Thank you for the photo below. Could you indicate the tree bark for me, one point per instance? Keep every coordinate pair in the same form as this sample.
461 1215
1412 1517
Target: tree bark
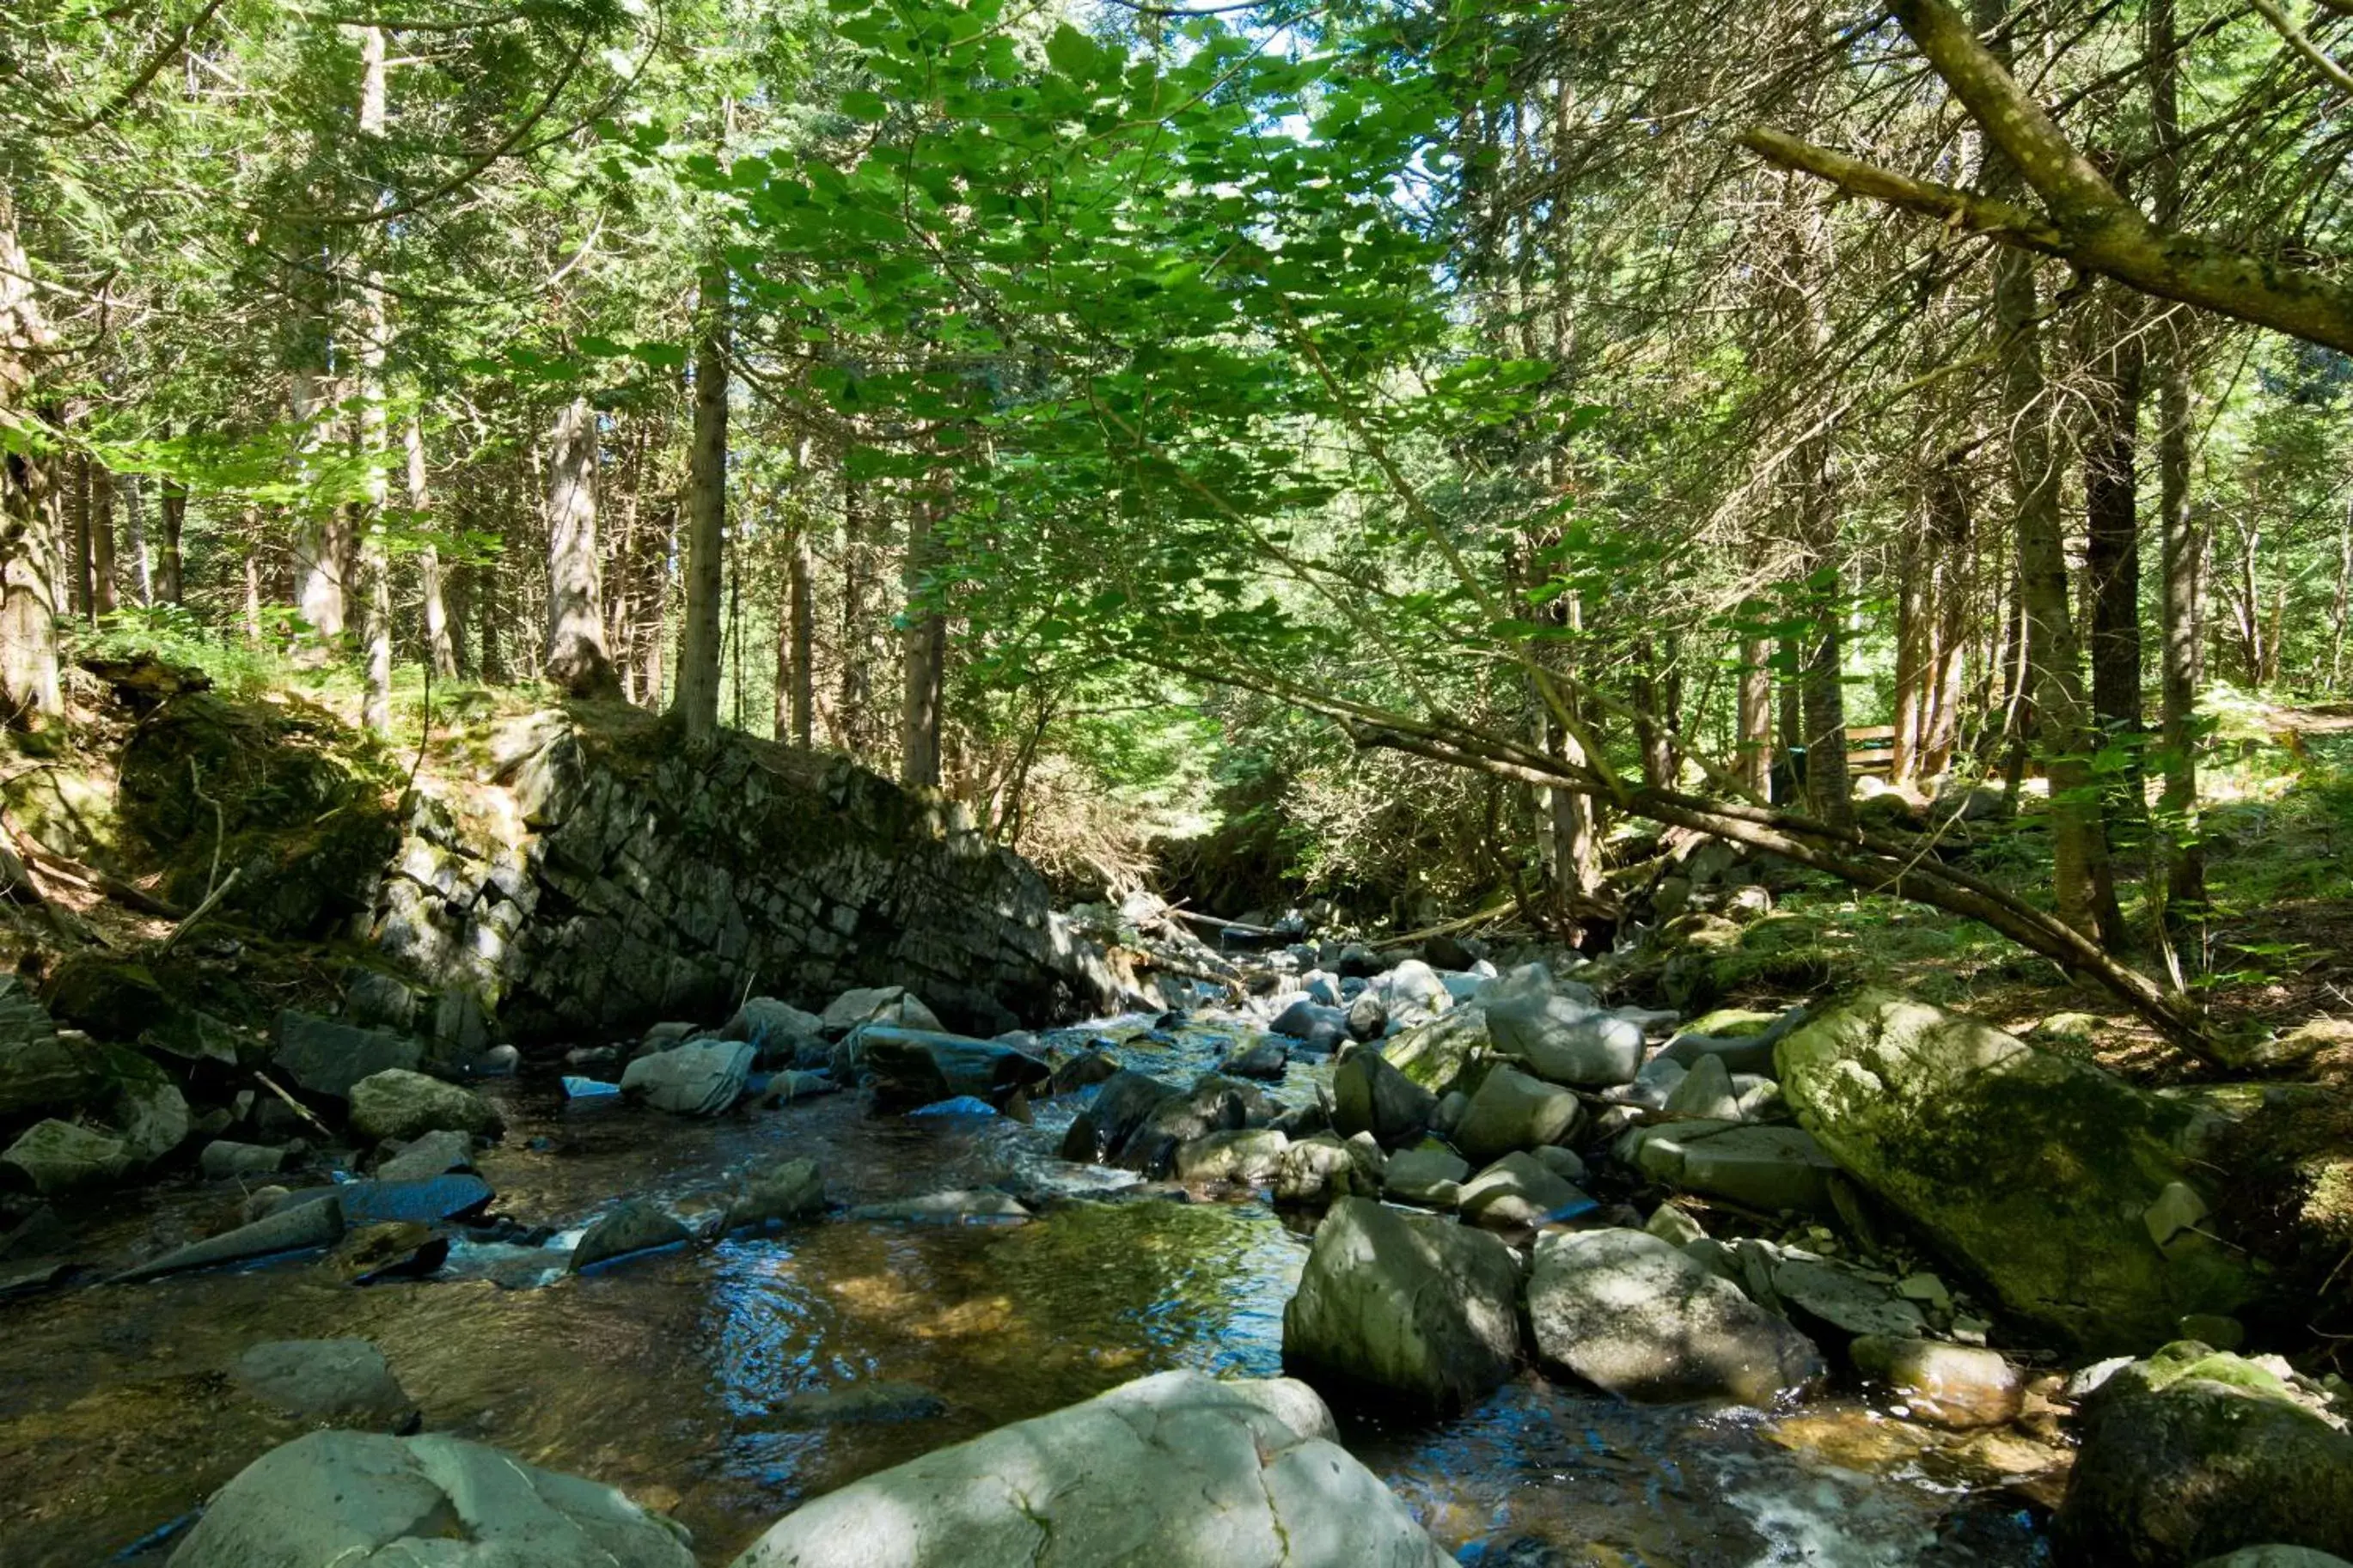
925 646
134 529
1948 519
75 474
2180 547
2112 552
576 660
170 584
441 646
697 701
28 506
1755 718
321 541
2086 892
856 676
798 680
107 599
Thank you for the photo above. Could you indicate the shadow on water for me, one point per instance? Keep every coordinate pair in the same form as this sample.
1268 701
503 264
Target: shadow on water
727 1383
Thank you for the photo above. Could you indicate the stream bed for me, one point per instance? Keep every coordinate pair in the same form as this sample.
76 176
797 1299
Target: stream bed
726 1384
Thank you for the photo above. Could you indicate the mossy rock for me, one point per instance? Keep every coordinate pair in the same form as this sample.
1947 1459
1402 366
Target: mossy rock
2032 1169
1732 1023
111 997
1440 1054
2195 1454
68 811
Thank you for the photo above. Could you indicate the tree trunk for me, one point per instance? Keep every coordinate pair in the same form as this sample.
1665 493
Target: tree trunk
576 660
170 585
441 646
28 508
319 544
2112 552
2086 893
77 476
925 646
799 678
1949 550
134 528
1652 729
107 599
2181 548
857 676
697 702
1756 709
1914 608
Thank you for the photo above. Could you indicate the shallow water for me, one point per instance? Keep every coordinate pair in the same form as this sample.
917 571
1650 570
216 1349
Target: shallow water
727 1383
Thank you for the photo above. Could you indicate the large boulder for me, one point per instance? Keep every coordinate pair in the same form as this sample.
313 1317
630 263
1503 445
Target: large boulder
918 1067
2084 1232
1765 1168
1439 1054
326 1058
408 1105
151 1116
2194 1453
1177 1471
702 1077
1561 1037
1411 1303
1368 1095
356 1496
55 1156
1123 1102
39 1070
894 1007
1629 1314
1514 1111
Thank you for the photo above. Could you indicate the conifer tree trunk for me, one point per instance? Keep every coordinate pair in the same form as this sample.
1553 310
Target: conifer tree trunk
2181 620
319 540
2111 504
169 586
76 499
134 529
29 509
105 596
925 645
440 644
795 677
576 658
857 678
697 699
2086 893
1755 717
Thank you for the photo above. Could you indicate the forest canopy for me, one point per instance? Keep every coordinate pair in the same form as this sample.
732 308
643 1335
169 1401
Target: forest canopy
1425 436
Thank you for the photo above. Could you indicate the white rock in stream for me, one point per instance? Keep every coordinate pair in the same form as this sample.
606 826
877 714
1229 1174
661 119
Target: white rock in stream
1178 1470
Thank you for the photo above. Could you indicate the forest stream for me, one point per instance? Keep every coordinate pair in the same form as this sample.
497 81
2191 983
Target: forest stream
727 1383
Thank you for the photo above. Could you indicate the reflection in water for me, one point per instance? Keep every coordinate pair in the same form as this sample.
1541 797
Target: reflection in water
729 1383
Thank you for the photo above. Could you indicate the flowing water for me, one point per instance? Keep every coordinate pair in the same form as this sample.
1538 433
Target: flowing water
726 1384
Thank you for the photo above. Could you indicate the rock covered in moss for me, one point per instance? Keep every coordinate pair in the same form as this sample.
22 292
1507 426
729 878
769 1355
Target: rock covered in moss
2195 1453
408 1105
1922 1108
55 1156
